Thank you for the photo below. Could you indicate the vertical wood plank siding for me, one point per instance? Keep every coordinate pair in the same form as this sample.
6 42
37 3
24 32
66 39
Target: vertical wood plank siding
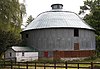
59 39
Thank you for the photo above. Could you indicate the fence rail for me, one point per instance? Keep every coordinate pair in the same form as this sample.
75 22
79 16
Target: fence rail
43 65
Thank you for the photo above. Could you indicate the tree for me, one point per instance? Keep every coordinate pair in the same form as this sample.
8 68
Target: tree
22 10
30 19
93 18
7 39
11 17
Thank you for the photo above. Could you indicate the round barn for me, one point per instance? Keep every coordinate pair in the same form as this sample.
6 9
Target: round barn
60 34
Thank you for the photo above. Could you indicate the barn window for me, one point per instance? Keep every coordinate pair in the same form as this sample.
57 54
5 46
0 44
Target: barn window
10 54
76 32
76 46
27 35
22 53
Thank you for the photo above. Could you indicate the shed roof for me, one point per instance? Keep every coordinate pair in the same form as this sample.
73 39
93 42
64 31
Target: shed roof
57 18
22 49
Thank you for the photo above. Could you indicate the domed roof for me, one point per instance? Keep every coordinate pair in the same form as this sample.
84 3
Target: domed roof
57 18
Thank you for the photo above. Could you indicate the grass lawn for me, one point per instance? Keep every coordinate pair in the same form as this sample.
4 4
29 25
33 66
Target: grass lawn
88 60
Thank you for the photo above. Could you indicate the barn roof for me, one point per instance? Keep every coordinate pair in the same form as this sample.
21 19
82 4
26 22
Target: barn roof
22 49
57 18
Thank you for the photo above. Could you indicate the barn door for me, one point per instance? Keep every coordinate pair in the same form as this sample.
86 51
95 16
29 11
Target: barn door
76 46
46 54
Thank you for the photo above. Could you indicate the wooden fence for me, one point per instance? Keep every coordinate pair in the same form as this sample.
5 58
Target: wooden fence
43 65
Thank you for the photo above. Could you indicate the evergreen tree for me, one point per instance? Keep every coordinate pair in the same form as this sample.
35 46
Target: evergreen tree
30 19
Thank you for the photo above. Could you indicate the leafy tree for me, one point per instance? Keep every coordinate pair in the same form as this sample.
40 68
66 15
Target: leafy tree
7 39
11 17
93 18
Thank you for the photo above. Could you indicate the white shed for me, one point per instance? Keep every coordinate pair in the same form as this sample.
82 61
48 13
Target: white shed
20 54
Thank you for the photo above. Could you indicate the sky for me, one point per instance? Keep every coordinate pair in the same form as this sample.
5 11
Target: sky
35 7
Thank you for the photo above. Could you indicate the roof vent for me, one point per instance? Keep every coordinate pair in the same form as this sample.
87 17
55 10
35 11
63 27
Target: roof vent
57 6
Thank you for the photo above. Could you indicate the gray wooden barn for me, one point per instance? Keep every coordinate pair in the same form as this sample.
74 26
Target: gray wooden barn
60 34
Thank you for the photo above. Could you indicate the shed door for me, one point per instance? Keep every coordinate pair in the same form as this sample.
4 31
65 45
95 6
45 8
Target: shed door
46 54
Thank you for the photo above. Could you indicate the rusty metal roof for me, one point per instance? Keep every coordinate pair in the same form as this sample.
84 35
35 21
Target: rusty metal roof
57 18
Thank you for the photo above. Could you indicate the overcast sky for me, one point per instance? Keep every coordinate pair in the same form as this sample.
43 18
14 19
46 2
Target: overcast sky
35 7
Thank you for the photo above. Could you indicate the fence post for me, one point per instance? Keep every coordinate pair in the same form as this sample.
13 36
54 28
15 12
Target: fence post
78 65
4 63
19 65
91 65
44 66
27 65
35 65
54 65
11 64
66 64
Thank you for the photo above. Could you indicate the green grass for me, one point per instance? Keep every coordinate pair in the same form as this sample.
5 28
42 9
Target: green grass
88 60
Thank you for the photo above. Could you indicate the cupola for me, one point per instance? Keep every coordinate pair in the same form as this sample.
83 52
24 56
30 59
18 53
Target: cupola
57 6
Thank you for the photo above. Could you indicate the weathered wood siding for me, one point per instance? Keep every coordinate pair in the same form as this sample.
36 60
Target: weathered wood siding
9 54
28 56
68 54
59 39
